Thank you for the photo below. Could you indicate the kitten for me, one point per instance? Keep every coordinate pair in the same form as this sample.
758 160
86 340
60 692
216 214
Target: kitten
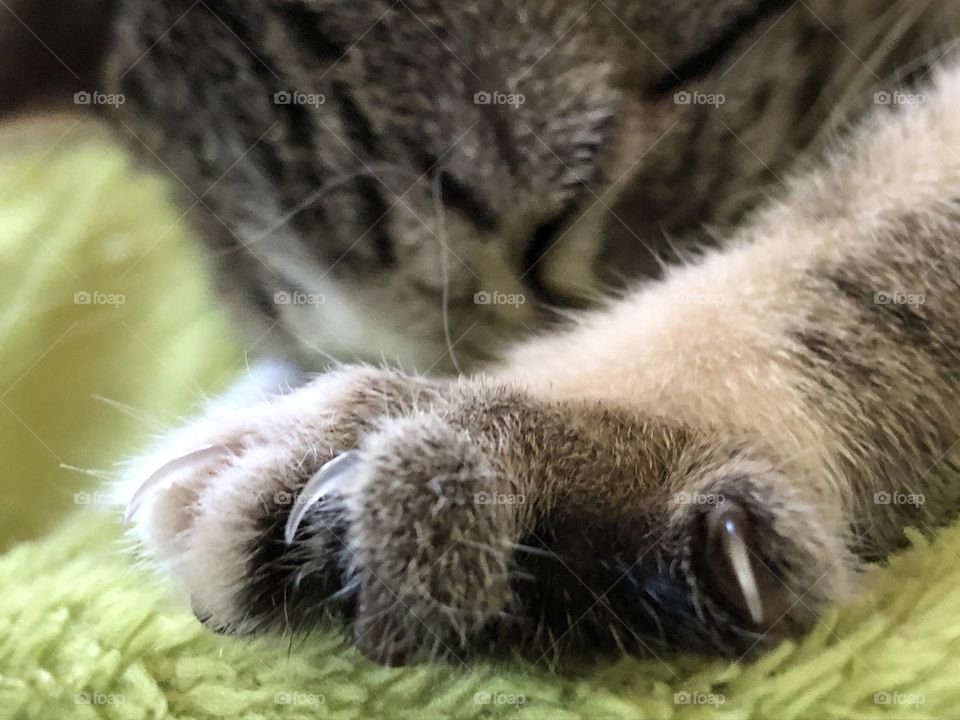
656 439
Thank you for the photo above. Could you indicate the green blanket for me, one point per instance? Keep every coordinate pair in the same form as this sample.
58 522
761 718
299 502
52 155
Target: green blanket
107 336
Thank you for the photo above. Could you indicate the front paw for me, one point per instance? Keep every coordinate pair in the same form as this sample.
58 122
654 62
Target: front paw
353 496
669 539
444 517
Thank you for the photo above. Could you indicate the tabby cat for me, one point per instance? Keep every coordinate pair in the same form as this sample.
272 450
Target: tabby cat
637 324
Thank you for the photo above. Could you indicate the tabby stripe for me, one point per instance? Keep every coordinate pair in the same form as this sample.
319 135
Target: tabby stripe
305 25
357 124
454 194
292 161
374 214
373 207
699 64
467 202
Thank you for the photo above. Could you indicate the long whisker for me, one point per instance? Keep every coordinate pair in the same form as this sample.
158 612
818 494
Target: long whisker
443 239
853 85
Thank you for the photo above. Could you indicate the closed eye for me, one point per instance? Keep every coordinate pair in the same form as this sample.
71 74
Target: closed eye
467 202
541 242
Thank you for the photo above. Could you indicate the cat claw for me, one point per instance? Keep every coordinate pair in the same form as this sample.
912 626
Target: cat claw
167 470
727 523
317 488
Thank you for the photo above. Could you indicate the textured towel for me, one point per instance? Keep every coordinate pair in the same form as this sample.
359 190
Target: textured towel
107 335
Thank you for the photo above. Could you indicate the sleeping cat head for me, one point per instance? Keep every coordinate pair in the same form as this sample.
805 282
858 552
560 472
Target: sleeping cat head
384 179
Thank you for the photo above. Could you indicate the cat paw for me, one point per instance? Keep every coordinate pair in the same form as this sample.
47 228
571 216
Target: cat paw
444 517
352 496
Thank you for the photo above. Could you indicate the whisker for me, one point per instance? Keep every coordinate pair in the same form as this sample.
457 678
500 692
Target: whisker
443 238
133 412
522 576
539 552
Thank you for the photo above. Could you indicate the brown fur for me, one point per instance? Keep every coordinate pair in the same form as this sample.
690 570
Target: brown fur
795 376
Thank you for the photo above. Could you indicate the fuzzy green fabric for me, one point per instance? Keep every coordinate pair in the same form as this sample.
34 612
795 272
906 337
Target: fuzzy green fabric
84 382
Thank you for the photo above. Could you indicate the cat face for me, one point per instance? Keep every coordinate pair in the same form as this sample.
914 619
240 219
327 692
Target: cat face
396 180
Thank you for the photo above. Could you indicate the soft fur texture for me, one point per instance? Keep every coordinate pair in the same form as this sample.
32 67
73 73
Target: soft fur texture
791 381
77 623
788 380
384 186
788 374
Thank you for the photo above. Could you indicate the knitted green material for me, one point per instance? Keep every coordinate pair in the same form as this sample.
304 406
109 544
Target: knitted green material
86 379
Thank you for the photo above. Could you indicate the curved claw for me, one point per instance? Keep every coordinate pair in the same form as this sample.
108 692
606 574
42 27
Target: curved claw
204 454
728 523
317 487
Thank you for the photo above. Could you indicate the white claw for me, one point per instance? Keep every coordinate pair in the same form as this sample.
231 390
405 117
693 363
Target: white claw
317 488
724 520
167 470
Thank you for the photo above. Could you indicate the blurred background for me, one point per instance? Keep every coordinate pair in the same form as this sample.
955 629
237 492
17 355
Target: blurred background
106 331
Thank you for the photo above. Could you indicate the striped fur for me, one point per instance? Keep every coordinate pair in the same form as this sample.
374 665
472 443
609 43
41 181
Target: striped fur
801 366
